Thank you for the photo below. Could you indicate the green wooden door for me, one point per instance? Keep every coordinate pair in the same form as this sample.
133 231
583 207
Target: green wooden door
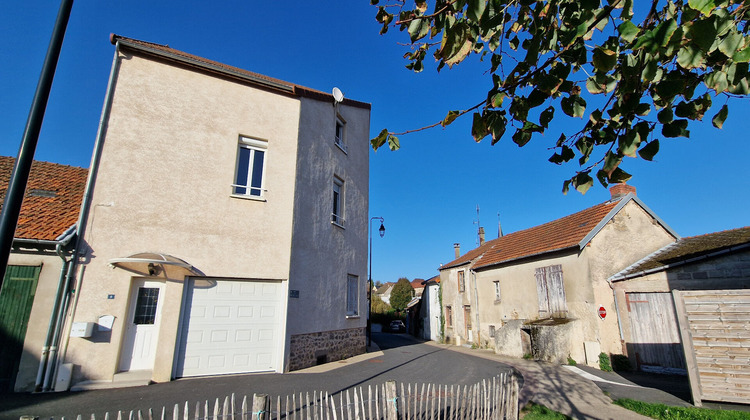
16 298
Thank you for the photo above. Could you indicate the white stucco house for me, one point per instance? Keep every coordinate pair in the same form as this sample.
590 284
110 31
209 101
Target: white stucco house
225 226
429 310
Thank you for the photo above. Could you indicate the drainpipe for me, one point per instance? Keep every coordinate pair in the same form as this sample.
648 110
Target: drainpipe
80 248
476 305
56 308
51 368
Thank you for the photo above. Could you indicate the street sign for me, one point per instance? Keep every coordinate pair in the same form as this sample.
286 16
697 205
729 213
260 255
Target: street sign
602 312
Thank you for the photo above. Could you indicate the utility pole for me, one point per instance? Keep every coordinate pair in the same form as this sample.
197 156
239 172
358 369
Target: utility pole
22 167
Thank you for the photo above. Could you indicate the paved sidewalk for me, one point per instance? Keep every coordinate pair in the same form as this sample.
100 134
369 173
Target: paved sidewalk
557 388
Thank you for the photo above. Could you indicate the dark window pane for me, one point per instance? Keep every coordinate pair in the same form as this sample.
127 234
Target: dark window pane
243 166
145 306
257 179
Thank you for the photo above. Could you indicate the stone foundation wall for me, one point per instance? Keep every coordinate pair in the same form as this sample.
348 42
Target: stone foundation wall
307 350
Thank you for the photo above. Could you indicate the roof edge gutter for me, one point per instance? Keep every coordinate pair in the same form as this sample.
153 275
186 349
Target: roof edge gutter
680 263
196 63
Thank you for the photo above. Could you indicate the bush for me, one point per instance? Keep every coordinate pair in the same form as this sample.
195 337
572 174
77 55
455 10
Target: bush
604 362
571 361
620 363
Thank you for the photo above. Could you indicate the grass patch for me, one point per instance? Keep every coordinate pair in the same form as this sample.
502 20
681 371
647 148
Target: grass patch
661 411
604 363
534 411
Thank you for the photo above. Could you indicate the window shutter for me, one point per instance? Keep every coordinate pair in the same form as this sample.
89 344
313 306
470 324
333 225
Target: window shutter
557 303
541 292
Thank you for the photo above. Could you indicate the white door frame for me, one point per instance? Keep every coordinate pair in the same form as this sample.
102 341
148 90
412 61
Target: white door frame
133 355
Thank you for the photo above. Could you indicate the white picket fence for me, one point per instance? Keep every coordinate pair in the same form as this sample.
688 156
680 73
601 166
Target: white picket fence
486 400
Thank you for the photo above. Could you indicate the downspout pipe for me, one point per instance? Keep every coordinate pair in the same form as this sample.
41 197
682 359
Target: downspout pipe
51 368
61 243
81 249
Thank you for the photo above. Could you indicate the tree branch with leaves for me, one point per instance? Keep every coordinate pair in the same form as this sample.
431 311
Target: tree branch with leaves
657 74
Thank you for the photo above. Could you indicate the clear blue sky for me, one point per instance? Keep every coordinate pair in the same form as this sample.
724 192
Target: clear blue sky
429 190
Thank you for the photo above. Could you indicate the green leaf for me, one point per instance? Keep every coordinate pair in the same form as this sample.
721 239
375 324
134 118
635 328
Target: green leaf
703 33
742 56
677 128
628 31
643 109
619 176
418 29
566 187
561 140
663 33
720 117
521 137
629 142
573 106
690 57
604 59
665 115
582 182
452 115
731 43
717 81
393 143
457 44
497 100
479 128
703 6
475 9
546 116
379 140
650 150
601 83
611 161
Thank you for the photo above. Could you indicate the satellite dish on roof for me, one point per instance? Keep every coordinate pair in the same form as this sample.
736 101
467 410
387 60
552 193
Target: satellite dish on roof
338 96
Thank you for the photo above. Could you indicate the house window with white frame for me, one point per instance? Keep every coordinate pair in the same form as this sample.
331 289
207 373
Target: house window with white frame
340 134
496 283
250 168
352 295
337 215
461 281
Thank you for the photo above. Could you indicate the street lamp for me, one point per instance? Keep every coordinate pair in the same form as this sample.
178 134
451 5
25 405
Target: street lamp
369 292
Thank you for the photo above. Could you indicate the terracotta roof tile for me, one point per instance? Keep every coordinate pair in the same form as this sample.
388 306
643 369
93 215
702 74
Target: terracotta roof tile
687 248
52 199
557 235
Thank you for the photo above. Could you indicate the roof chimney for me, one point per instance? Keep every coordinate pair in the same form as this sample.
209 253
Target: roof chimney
457 248
481 236
621 190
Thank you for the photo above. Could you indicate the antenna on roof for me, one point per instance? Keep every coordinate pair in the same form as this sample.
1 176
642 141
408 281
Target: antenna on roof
479 227
338 96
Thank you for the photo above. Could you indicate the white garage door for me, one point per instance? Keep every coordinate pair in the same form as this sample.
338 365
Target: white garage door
230 326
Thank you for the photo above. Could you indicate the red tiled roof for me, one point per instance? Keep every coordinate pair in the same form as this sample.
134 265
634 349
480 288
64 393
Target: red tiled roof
688 248
52 199
166 50
557 235
417 283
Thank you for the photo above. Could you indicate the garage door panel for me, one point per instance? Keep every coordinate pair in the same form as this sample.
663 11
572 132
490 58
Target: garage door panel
232 327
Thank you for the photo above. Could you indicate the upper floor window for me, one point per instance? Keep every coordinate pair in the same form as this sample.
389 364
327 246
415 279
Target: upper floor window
461 281
497 290
337 215
340 135
251 156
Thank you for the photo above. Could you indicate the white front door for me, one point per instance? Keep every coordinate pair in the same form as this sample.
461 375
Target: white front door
142 326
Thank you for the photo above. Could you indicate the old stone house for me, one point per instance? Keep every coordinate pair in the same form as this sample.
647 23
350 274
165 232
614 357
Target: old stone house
539 291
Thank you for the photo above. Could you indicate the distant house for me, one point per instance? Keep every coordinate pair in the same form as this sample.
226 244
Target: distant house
429 310
542 288
226 230
384 292
418 286
690 302
37 274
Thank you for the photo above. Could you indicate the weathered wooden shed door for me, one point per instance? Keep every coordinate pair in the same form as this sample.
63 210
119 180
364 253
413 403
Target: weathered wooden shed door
714 325
655 337
16 298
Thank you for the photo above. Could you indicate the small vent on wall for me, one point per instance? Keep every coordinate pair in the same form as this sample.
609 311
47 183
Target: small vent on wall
492 331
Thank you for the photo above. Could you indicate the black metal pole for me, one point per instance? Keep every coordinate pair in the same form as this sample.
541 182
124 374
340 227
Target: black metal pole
20 176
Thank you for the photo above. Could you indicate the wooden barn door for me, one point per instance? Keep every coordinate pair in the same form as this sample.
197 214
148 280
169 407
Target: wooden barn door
655 337
16 298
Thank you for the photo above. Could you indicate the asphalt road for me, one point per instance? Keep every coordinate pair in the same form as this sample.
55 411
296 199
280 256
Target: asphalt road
404 359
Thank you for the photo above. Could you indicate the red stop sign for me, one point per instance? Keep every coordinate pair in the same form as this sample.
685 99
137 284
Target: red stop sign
602 312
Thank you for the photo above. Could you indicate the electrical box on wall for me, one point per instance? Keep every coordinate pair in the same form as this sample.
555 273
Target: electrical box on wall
82 329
